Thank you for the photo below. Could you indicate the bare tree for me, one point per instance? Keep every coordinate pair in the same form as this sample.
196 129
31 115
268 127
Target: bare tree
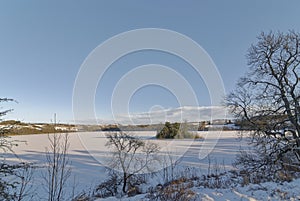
58 166
5 169
266 100
24 174
5 143
170 163
131 155
15 178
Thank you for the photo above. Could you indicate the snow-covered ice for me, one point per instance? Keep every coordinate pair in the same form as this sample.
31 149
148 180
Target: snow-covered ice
88 155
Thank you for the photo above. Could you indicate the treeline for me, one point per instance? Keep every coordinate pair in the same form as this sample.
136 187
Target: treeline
13 127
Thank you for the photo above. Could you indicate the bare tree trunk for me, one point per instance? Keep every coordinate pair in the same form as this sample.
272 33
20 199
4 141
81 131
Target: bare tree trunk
58 170
124 182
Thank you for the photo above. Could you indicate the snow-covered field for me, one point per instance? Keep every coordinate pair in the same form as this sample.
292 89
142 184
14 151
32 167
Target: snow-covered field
89 156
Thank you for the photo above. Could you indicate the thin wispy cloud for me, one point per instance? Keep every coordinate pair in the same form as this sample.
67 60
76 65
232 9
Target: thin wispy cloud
180 114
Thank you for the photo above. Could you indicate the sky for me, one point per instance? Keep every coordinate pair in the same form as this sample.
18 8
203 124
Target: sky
43 45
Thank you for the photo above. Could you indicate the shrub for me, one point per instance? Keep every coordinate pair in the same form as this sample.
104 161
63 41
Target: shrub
109 187
176 190
176 131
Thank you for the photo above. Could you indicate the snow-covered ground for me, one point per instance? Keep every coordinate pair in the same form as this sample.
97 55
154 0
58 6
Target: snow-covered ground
89 156
266 191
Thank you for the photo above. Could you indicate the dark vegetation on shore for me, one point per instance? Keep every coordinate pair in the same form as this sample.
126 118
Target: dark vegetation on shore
24 128
20 128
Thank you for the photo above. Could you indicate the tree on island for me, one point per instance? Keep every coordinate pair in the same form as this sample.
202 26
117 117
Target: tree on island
169 131
175 131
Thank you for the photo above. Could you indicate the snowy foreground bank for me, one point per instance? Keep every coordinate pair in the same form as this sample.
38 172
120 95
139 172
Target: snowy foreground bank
89 158
253 192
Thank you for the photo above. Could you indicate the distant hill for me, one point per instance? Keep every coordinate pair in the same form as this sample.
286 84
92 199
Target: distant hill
21 128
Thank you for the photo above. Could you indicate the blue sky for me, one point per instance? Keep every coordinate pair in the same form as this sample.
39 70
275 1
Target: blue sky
44 43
